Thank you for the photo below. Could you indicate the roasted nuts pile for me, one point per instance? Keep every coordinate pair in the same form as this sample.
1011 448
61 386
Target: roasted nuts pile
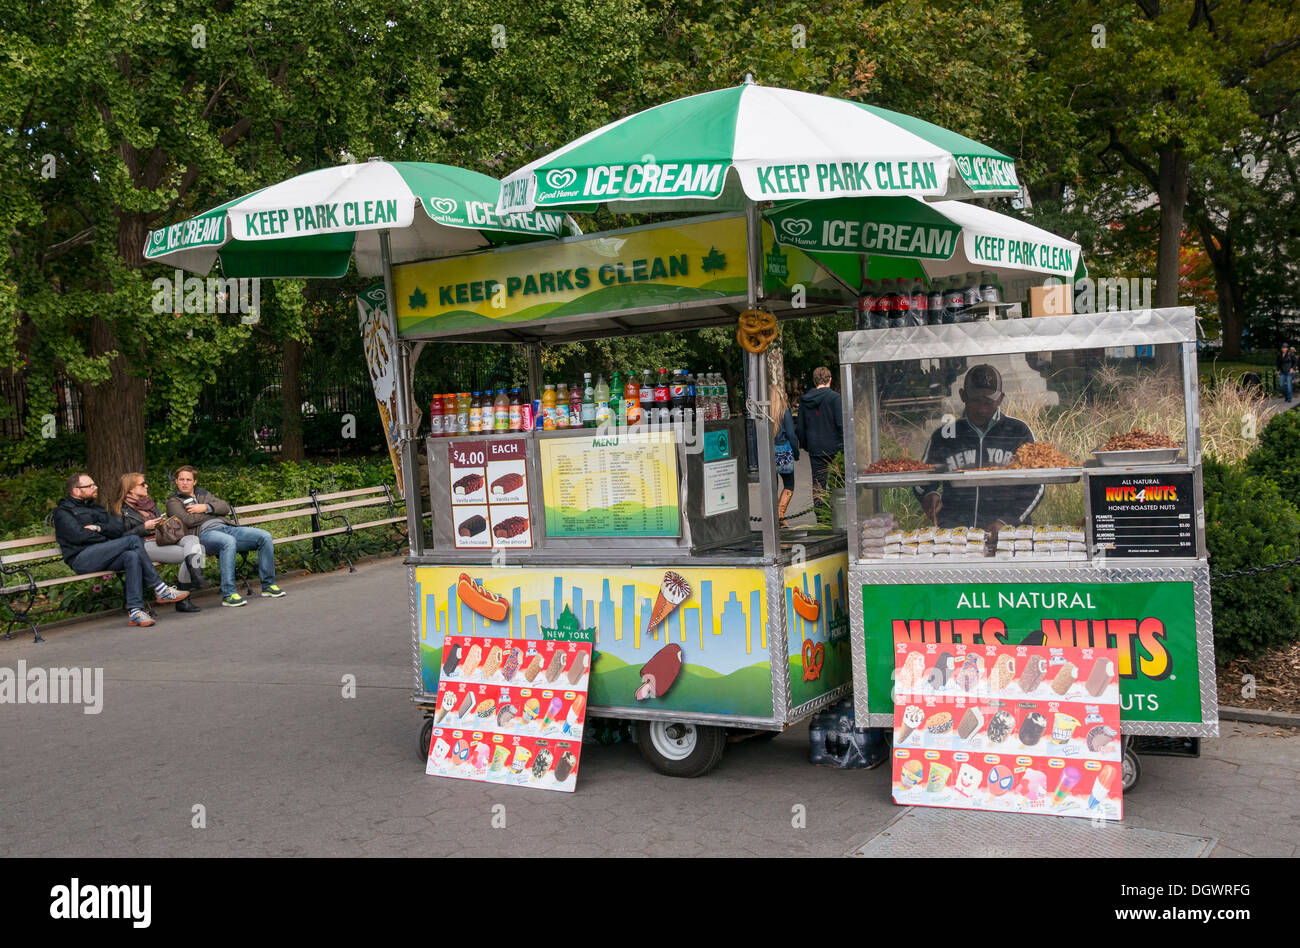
1038 454
895 466
1138 440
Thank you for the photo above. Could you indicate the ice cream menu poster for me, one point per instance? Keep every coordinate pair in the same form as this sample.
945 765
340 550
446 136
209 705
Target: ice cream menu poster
489 494
512 711
1007 728
614 486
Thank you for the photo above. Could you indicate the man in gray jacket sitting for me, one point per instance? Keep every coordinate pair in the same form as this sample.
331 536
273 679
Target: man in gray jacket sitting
205 514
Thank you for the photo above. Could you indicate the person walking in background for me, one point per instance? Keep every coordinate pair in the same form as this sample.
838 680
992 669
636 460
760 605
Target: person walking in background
1286 366
785 442
820 428
201 511
140 517
91 541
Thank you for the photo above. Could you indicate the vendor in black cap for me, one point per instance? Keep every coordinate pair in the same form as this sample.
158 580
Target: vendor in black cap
982 437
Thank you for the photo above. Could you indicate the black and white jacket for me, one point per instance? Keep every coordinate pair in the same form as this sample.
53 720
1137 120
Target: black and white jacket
961 446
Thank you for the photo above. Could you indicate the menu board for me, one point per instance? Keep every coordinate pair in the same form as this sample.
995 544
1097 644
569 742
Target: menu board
1007 728
1147 515
512 711
614 486
489 494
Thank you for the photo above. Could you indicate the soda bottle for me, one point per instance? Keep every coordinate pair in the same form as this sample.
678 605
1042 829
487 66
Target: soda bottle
954 302
989 291
501 412
475 412
587 407
881 308
866 304
724 403
561 406
516 411
575 405
616 416
527 419
435 417
917 304
688 408
462 413
548 408
973 295
632 400
647 397
934 304
896 314
663 398
601 395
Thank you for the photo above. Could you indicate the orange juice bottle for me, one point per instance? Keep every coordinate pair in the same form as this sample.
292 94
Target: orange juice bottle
548 408
632 398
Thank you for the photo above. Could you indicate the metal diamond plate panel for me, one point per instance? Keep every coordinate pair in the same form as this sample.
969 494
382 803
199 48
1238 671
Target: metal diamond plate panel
964 834
776 642
1198 576
1006 336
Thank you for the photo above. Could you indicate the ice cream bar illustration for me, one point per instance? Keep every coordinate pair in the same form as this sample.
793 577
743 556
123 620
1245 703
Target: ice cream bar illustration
1002 672
968 779
472 660
672 593
938 777
552 712
440 749
541 764
532 707
806 606
507 483
579 668
460 752
522 756
1033 786
574 717
911 775
940 723
971 722
1033 674
913 717
555 667
472 526
510 527
1100 676
1031 728
485 708
1000 779
910 673
565 766
452 660
534 666
488 605
1000 726
1068 779
492 663
1064 678
480 756
1063 726
658 674
1101 787
941 673
467 705
467 484
512 664
499 756
1099 736
971 673
505 714
448 702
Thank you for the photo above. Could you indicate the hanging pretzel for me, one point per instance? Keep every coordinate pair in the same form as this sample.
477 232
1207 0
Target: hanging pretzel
757 330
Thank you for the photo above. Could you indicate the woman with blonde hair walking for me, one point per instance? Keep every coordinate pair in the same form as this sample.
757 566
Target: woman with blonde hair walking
140 517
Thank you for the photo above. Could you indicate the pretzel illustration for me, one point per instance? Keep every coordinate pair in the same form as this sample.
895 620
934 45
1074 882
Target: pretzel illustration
757 330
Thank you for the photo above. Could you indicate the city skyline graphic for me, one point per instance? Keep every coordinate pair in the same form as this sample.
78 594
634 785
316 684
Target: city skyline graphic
834 606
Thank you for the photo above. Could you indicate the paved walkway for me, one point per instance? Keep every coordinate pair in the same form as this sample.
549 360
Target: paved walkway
242 712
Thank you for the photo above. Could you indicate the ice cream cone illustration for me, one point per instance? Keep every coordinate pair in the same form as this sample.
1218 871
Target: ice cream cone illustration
672 593
913 717
448 702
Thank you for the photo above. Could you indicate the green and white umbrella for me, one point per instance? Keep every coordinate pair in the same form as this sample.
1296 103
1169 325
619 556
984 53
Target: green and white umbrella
311 225
768 143
943 237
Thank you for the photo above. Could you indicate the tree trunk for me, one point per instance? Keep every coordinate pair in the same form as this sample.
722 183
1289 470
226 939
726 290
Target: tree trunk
1219 248
1173 204
114 416
291 445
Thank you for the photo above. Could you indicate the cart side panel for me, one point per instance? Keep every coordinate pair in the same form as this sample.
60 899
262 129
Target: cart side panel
720 661
1158 618
819 665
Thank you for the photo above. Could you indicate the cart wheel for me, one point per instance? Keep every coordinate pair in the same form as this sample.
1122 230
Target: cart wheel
1132 769
426 738
680 750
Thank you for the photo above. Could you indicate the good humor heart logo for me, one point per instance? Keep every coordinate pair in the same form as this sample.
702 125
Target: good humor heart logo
963 165
796 226
444 205
561 177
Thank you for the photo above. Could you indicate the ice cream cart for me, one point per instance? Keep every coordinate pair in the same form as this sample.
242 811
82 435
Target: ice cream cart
1067 511
643 533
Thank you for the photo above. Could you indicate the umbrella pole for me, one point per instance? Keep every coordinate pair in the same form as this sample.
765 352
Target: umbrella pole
406 443
757 403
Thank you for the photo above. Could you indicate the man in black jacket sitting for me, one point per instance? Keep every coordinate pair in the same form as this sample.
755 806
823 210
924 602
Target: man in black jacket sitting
982 437
91 541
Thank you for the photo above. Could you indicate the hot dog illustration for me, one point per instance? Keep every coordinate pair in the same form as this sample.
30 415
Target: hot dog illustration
487 604
807 607
672 592
658 674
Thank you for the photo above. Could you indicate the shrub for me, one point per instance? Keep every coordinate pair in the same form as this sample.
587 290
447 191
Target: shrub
1249 523
1278 455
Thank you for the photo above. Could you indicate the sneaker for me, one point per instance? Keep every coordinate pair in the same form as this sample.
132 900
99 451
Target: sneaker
234 599
170 594
272 591
140 617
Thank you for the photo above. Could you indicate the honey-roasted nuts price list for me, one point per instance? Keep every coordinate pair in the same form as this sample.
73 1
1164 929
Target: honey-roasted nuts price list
1147 515
489 494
